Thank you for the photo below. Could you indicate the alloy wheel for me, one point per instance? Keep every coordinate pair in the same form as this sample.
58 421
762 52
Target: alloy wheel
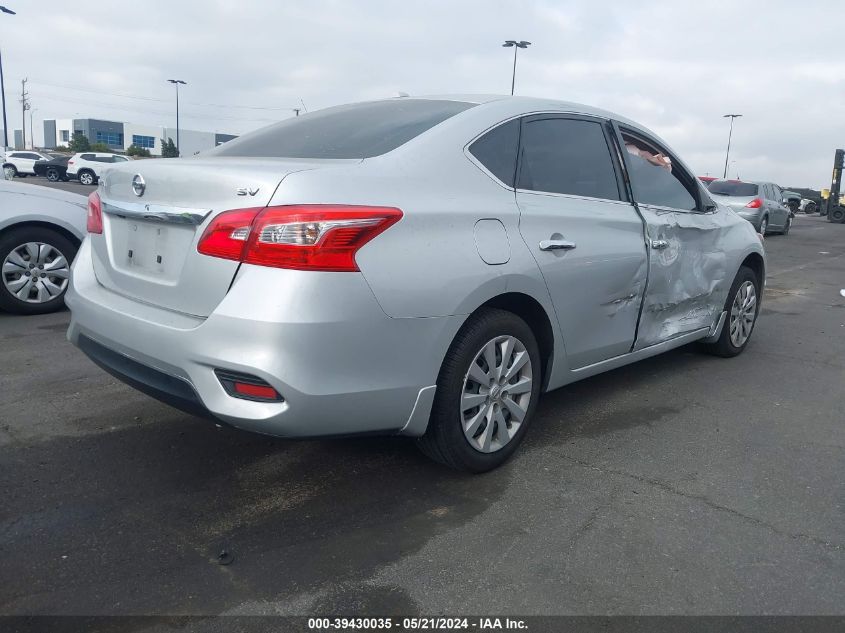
496 394
35 272
9 172
743 313
85 178
764 225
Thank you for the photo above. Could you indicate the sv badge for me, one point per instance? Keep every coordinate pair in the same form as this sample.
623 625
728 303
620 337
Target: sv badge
247 191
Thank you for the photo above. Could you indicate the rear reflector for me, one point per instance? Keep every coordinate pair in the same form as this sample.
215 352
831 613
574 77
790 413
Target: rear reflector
755 204
303 237
247 386
95 213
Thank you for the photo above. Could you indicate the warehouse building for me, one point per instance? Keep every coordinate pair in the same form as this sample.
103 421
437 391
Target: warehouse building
119 135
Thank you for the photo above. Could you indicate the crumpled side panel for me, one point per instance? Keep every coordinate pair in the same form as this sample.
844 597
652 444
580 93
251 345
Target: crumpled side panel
688 280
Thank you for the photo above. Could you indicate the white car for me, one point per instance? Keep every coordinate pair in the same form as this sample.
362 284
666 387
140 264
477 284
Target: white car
40 231
21 163
87 167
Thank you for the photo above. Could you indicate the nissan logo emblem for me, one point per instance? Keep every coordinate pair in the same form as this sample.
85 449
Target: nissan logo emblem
138 185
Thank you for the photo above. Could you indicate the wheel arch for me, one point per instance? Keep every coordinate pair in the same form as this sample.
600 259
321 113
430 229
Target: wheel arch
757 264
532 312
42 225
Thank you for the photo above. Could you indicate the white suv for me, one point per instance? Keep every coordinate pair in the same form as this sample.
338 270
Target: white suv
21 163
87 167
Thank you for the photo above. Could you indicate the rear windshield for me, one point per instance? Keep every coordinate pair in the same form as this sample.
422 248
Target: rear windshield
732 188
360 130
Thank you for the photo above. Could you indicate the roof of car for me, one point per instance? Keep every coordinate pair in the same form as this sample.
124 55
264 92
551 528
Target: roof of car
8 186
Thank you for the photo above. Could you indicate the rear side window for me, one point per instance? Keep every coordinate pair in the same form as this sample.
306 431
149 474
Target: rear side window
568 156
86 156
733 188
497 150
360 130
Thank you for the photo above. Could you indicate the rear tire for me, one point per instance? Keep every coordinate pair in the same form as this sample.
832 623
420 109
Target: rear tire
52 174
52 277
87 177
764 225
484 435
729 344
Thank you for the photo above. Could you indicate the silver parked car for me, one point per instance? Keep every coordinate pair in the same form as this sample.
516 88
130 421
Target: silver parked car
40 232
761 203
417 266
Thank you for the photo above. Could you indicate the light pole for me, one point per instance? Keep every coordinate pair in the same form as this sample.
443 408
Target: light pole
3 87
516 45
730 133
176 83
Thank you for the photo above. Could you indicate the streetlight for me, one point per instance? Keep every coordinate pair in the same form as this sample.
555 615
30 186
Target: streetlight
176 83
516 45
728 153
3 88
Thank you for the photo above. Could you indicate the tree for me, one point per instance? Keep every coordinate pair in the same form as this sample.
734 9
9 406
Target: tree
62 148
99 147
168 149
134 150
79 143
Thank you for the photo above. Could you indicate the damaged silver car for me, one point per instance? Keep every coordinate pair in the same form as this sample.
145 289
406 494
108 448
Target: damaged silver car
417 266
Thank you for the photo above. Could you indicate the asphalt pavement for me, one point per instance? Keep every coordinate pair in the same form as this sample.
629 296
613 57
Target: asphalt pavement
683 484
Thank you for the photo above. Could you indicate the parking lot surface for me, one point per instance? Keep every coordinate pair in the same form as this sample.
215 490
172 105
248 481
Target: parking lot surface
683 484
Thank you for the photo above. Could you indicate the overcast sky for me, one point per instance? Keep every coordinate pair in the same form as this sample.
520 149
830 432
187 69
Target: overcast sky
675 67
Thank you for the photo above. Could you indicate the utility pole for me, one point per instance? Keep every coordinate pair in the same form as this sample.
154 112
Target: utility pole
3 87
31 127
24 108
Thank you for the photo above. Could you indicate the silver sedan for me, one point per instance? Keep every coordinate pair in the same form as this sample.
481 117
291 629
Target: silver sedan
416 266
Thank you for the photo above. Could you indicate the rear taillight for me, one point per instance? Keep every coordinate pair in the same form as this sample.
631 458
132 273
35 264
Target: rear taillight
755 204
70 162
95 213
226 235
303 237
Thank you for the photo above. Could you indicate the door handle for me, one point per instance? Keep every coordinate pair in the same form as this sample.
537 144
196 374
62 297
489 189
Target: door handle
659 244
556 245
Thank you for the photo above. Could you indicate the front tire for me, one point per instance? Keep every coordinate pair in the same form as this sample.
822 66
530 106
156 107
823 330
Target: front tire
34 270
742 306
787 226
487 391
9 171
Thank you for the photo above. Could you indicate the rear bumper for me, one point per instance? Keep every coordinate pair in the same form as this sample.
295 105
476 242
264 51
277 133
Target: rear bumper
321 340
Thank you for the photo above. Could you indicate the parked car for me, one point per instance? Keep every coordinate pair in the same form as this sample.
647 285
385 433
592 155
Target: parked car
54 169
20 163
87 167
40 232
761 203
808 206
792 200
415 266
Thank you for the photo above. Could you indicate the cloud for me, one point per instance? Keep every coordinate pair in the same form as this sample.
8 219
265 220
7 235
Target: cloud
675 67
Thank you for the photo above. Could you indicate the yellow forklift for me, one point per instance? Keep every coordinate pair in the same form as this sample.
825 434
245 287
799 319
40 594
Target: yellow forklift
833 205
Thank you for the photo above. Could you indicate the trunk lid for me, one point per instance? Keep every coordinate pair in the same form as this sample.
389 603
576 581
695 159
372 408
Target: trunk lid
148 249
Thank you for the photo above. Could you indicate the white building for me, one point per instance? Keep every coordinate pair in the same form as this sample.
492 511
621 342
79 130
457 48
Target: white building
119 135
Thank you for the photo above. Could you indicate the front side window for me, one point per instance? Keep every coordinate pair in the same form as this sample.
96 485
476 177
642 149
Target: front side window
568 156
497 150
360 130
654 179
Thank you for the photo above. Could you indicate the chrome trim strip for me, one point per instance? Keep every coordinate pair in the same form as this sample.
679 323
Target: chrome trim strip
156 212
